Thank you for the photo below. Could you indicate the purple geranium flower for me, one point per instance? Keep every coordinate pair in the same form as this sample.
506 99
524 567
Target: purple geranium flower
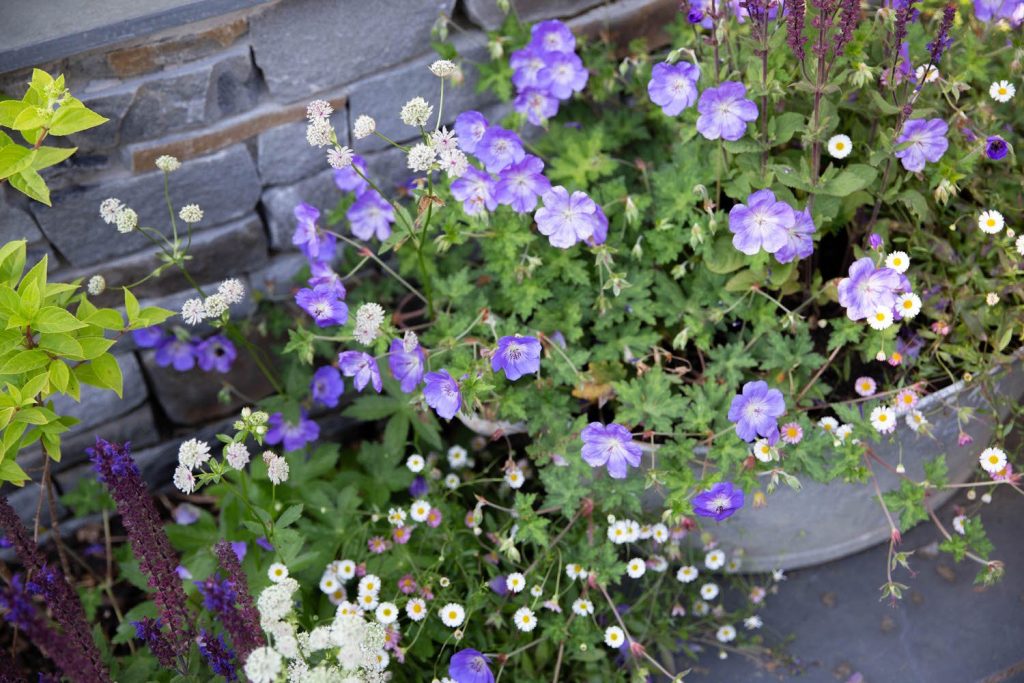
470 126
725 111
308 238
610 446
995 148
419 486
371 216
470 666
517 356
989 10
799 243
499 148
294 435
529 69
538 105
406 365
565 219
324 305
149 337
756 411
868 289
362 368
718 502
327 386
922 140
567 74
520 184
552 36
475 189
600 228
348 180
673 87
761 224
176 352
216 353
442 394
321 273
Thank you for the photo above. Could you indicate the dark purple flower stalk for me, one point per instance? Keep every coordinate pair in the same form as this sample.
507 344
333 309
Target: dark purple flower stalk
904 16
116 469
243 624
8 672
849 17
217 654
796 11
59 596
150 631
942 39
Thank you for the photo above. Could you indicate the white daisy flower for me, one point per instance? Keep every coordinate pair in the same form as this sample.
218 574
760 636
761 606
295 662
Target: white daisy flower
396 517
451 482
763 450
277 572
636 568
991 222
993 460
576 571
898 261
1019 244
536 591
909 305
369 584
452 615
386 613
614 637
865 386
714 560
515 582
416 609
839 146
514 477
726 633
880 319
368 601
582 607
346 570
883 419
701 608
415 463
709 591
916 419
457 457
828 424
687 574
753 622
659 533
419 510
524 619
843 431
933 73
1002 91
958 524
329 583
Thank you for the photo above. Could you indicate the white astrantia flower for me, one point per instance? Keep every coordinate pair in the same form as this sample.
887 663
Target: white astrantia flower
709 591
319 133
636 568
933 73
991 298
96 285
410 342
386 613
167 163
515 582
444 140
726 633
416 112
184 480
277 470
415 463
396 517
369 319
524 619
109 208
363 127
687 574
231 290
714 560
442 68
193 453
416 609
883 419
452 615
614 637
263 665
992 460
839 146
126 220
991 222
880 319
236 454
421 157
1002 91
339 157
763 450
318 110
958 524
916 420
193 312
514 477
898 261
277 572
454 163
909 305
582 607
191 213
215 306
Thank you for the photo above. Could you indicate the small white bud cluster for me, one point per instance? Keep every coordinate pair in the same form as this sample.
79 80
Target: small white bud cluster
416 112
194 311
167 163
191 213
277 467
96 285
442 68
363 127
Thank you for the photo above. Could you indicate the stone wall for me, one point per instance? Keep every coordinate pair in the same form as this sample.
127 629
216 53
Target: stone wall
227 96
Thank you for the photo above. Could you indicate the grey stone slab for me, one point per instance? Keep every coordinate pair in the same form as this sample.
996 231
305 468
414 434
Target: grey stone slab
224 184
234 85
284 157
25 501
17 224
382 95
486 13
98 405
276 280
305 46
279 204
114 105
218 253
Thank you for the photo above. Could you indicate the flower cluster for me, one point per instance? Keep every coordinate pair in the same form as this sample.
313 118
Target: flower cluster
547 71
215 353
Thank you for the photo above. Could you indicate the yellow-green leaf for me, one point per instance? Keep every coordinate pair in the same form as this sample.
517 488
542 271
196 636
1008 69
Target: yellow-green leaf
74 118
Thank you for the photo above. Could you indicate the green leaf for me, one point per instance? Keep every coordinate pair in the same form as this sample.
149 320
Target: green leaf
883 106
102 372
107 318
372 408
153 315
786 126
721 257
55 319
12 472
51 156
25 361
289 517
853 178
9 111
62 345
59 374
131 306
14 159
74 118
30 183
30 118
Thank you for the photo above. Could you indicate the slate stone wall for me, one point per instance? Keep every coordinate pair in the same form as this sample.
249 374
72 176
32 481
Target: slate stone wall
227 96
